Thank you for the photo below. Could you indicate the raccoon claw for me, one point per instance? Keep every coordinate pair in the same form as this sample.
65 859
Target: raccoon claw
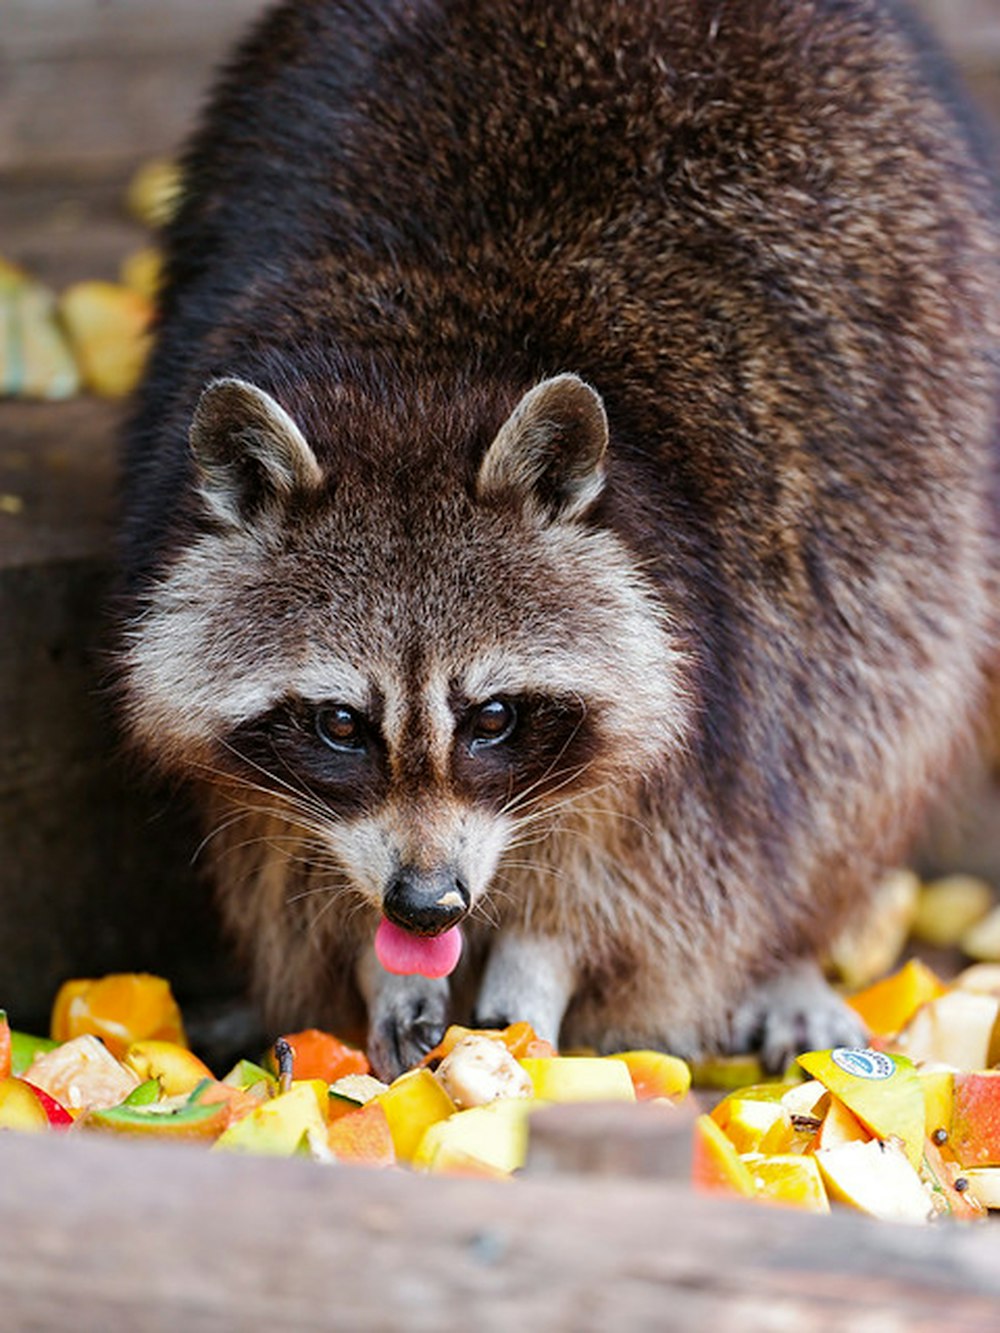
791 1013
399 1038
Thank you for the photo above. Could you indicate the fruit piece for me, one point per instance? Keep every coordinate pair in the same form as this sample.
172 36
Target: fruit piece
35 358
56 1114
790 1179
363 1136
655 1074
5 1046
496 1134
948 907
889 1004
939 1095
982 940
480 1069
245 1074
519 1038
154 192
875 1178
177 1069
352 1091
746 1120
163 1119
82 1075
984 1185
806 1099
279 1126
20 1108
871 945
883 1091
980 978
974 1134
412 1103
142 272
238 1102
23 1049
121 1008
940 1173
317 1054
716 1167
145 1094
840 1126
404 954
579 1079
728 1073
108 329
958 1029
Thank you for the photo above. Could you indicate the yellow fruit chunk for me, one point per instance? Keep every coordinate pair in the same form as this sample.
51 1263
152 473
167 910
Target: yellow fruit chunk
982 941
655 1074
746 1121
82 1075
580 1079
108 328
870 946
20 1109
948 907
883 1091
888 1005
142 272
35 358
495 1134
279 1126
791 1179
154 192
176 1069
411 1104
875 1178
121 1008
939 1097
980 979
716 1167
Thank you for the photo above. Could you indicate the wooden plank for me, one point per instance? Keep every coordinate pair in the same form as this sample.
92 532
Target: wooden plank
117 1236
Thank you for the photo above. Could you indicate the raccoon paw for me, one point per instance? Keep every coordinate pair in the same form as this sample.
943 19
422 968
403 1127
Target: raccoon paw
793 1012
407 1020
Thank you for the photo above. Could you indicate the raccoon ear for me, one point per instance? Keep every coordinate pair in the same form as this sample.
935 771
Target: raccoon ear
248 451
550 450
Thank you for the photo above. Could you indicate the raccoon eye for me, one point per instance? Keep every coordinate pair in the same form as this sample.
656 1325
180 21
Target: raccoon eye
494 722
341 728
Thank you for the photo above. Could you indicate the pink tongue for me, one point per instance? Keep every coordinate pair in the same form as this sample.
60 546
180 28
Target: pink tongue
432 956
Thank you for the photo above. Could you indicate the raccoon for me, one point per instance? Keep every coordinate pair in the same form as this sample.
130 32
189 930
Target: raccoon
560 515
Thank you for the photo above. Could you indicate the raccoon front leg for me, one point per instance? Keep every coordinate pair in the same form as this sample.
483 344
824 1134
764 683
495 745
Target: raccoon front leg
794 1011
407 1016
527 978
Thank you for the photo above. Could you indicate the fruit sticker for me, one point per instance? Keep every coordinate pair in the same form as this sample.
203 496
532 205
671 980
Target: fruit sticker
863 1063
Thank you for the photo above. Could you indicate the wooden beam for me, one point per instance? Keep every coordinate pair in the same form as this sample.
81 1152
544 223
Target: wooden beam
108 1235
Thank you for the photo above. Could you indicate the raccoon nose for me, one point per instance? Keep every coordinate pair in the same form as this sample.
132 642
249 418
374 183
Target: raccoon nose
425 902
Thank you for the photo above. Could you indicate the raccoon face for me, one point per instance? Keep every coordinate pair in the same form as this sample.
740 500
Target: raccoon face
419 674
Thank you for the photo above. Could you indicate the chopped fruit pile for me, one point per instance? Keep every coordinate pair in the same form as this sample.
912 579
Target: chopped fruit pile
118 1063
907 1129
94 337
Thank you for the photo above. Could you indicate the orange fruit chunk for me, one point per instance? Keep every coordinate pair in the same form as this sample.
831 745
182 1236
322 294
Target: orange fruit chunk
121 1008
363 1136
793 1179
716 1167
888 1005
321 1055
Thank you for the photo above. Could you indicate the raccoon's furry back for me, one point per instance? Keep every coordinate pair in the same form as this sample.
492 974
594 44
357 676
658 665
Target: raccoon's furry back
764 234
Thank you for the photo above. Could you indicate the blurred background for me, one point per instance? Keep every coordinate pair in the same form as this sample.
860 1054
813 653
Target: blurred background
95 865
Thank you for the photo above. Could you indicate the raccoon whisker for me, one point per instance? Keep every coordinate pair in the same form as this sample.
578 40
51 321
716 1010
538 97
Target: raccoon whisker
295 799
309 800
